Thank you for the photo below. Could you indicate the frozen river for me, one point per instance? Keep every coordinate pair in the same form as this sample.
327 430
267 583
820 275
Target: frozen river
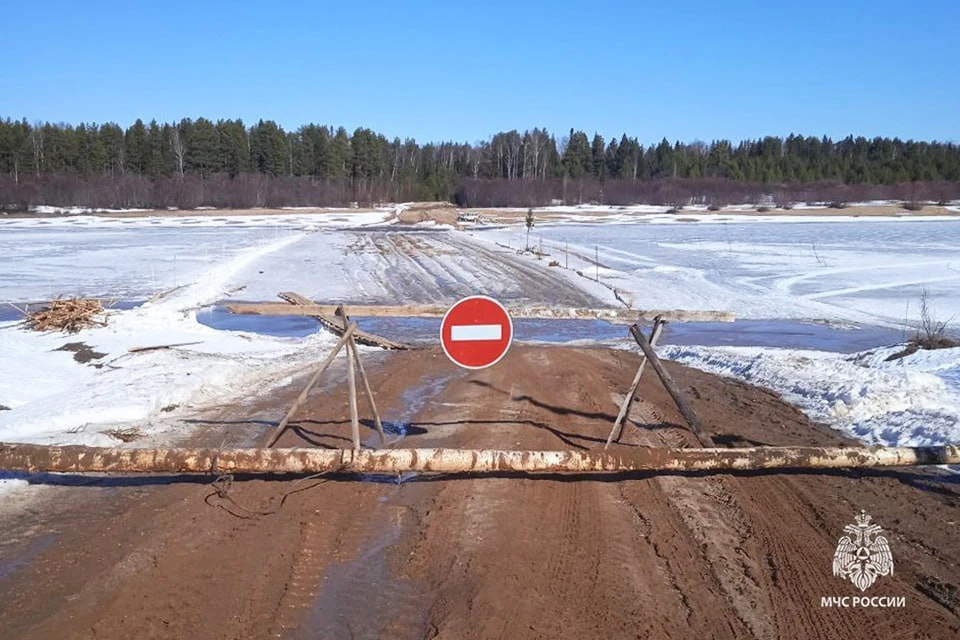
864 270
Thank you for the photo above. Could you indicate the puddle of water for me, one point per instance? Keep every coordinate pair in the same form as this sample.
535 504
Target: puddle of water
412 400
362 599
791 334
9 566
277 326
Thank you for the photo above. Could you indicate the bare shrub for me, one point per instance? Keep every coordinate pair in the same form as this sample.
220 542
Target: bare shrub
932 333
912 206
763 209
713 207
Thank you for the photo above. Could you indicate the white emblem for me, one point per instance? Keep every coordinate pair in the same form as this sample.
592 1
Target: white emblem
861 559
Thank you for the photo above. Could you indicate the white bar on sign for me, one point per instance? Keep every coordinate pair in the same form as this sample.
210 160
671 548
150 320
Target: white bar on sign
462 332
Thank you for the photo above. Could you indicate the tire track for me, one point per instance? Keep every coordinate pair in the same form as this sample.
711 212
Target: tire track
713 517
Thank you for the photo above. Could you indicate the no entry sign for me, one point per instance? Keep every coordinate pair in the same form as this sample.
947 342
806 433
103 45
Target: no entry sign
476 332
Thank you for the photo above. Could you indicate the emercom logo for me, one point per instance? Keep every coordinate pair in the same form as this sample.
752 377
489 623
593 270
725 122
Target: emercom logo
863 557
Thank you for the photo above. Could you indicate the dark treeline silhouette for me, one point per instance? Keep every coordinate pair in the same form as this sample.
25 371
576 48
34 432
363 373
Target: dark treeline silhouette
228 164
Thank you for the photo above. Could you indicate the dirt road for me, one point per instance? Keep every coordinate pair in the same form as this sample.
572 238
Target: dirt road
710 556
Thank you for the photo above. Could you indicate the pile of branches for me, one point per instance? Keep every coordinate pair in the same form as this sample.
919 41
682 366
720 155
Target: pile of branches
68 314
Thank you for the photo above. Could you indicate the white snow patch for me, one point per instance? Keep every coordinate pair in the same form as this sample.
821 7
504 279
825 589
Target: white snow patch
912 401
73 211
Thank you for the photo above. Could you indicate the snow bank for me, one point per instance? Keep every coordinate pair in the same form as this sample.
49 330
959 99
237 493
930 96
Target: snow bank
912 401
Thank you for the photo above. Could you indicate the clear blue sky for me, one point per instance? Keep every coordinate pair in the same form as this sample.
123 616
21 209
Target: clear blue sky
694 70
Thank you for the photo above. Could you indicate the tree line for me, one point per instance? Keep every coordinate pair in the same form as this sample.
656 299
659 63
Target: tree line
227 163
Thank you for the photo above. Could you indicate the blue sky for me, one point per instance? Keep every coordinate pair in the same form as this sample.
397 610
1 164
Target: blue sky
694 70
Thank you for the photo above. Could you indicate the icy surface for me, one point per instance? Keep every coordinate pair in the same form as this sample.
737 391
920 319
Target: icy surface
869 270
134 258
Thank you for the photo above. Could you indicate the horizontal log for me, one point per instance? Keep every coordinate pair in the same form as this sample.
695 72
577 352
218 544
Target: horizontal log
335 327
79 459
624 316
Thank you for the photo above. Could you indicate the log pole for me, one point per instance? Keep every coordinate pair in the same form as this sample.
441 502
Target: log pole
671 387
615 315
78 459
617 429
306 390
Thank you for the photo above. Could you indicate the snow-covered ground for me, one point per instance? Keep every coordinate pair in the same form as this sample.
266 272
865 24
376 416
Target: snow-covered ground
911 401
866 271
55 399
134 258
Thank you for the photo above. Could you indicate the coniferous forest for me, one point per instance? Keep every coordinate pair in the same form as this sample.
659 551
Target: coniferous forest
231 165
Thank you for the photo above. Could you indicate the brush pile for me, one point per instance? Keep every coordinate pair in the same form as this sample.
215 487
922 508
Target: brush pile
68 314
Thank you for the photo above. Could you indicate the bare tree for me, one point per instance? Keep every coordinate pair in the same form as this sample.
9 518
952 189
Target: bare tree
36 139
178 148
529 222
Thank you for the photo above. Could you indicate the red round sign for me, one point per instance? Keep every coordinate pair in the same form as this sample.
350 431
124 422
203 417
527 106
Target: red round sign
476 332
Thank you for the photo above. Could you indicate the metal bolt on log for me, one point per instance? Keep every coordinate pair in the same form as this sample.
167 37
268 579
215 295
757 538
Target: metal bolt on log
80 459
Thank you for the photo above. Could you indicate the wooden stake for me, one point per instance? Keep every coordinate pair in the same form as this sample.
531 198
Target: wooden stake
351 380
306 390
369 393
617 430
671 387
352 388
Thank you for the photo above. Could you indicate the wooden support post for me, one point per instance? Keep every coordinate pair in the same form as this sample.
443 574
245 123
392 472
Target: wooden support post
351 382
617 429
671 387
354 418
306 390
369 392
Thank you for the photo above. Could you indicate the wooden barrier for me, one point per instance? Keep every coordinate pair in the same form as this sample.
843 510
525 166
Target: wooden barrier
79 459
671 387
619 316
617 428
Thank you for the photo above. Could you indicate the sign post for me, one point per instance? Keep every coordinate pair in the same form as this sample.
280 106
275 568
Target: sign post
476 332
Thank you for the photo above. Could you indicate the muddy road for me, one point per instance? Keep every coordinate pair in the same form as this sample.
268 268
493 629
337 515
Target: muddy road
712 556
